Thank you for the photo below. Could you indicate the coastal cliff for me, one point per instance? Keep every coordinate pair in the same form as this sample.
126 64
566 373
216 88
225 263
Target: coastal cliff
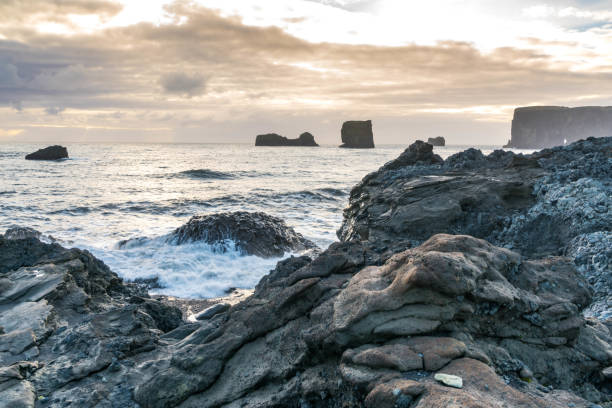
479 267
536 127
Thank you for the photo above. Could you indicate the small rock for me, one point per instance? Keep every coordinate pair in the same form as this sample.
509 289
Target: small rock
449 380
212 311
607 373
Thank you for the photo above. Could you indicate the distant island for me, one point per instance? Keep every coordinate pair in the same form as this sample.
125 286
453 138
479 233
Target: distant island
437 141
357 134
55 152
272 139
536 127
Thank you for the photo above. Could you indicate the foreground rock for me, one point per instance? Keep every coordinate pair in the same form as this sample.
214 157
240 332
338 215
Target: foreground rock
65 320
437 141
49 153
272 139
251 233
536 127
337 332
357 134
554 202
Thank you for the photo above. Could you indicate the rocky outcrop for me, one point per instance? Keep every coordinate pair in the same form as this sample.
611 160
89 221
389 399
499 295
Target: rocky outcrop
272 139
251 233
352 328
65 318
539 204
437 141
357 134
55 152
536 127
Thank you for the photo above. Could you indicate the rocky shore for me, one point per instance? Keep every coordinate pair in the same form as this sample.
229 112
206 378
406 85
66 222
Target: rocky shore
476 281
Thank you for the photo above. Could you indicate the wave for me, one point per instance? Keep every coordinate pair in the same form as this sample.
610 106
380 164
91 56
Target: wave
191 270
204 174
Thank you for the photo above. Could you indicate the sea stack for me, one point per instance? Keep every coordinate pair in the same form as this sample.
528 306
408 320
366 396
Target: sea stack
272 139
55 152
437 141
536 127
357 134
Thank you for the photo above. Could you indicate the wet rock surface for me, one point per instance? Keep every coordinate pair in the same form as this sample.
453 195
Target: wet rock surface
254 233
251 233
272 139
372 321
55 152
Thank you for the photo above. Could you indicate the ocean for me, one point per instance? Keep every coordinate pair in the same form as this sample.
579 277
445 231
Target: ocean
106 193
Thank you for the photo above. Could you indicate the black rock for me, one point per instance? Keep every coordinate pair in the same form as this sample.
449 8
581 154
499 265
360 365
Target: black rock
357 134
55 152
272 139
253 233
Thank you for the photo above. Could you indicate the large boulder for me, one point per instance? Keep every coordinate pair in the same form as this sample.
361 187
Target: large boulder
252 233
272 139
536 127
357 134
437 141
55 152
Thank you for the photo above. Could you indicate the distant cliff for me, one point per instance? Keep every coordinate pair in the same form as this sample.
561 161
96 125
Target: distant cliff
272 139
536 127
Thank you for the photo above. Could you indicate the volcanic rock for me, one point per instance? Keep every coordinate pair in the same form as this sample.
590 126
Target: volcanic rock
272 139
55 152
357 134
554 202
252 233
437 141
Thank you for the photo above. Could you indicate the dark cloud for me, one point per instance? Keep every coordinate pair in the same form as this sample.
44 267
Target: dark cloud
54 110
179 83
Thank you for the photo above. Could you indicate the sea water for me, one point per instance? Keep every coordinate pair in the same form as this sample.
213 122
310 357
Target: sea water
106 193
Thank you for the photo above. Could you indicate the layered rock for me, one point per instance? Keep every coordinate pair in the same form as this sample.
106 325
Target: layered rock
536 127
357 134
337 332
251 233
65 318
272 139
55 152
437 141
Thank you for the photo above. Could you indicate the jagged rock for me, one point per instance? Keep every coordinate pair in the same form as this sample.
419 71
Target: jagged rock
540 204
253 233
272 139
212 311
450 380
67 311
55 152
479 295
357 134
535 127
437 141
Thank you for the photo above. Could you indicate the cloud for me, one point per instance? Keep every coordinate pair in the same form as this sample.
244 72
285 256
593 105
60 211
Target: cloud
10 133
54 110
264 78
179 83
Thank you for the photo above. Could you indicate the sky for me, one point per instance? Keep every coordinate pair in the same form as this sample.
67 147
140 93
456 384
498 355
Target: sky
227 70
